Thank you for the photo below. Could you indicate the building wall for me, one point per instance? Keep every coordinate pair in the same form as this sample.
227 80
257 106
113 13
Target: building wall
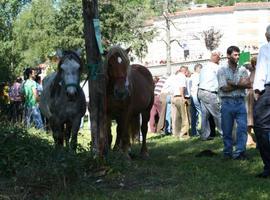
240 27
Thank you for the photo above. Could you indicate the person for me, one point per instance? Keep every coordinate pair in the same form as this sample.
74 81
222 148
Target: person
180 124
250 101
208 96
261 87
195 107
187 93
164 122
30 93
233 81
155 110
16 100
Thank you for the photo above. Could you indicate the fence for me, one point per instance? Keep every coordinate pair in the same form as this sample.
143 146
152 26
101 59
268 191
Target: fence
159 70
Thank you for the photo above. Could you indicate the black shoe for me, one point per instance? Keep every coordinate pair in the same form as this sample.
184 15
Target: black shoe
227 157
206 139
263 175
241 156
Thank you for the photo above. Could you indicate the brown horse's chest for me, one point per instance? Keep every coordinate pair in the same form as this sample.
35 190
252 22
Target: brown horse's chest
116 106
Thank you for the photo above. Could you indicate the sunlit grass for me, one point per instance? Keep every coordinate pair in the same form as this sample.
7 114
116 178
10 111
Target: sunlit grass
31 168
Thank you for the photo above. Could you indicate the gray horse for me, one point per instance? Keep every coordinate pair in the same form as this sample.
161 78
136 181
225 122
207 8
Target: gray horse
62 101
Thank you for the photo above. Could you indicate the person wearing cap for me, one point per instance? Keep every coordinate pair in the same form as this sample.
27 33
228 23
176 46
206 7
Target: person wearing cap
261 86
233 81
208 96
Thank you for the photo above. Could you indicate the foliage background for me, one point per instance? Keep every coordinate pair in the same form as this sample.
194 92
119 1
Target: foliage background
32 30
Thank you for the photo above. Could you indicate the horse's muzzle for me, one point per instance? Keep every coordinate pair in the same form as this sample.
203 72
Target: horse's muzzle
72 93
121 94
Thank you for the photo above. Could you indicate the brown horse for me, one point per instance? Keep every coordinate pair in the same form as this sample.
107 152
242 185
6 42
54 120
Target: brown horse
130 92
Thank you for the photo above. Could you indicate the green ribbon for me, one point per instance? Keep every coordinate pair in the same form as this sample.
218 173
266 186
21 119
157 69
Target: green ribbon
94 70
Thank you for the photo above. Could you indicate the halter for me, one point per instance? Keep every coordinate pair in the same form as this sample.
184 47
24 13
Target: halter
76 85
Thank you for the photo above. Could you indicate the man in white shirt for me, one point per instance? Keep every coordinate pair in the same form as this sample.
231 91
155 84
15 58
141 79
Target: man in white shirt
261 86
180 124
208 95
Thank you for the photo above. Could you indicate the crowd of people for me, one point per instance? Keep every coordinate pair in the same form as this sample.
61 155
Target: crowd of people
19 100
224 98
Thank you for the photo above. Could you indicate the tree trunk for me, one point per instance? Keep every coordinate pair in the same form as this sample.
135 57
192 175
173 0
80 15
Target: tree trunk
97 84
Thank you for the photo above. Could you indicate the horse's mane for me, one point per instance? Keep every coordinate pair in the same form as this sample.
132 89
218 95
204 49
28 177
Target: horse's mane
117 49
121 51
70 54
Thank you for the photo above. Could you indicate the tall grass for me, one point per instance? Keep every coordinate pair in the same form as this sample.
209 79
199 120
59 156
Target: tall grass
30 168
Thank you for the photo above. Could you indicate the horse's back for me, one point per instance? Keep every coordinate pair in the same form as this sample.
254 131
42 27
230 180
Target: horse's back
144 72
142 93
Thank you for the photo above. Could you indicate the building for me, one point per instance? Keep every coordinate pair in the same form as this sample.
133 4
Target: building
242 25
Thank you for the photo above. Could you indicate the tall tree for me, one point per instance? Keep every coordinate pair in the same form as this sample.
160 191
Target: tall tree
123 23
34 32
68 23
9 57
212 38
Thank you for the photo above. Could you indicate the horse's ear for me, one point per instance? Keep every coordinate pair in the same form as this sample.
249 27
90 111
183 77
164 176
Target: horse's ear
59 53
128 50
78 52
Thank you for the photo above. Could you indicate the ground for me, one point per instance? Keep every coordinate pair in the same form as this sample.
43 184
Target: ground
30 168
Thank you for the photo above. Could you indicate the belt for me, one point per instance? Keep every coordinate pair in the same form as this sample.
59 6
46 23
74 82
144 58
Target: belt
214 92
177 96
232 97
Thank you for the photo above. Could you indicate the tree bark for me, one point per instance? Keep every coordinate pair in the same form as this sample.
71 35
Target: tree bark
97 84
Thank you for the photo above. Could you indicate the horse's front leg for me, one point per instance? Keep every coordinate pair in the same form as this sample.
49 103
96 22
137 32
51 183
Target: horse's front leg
58 132
68 133
125 136
74 133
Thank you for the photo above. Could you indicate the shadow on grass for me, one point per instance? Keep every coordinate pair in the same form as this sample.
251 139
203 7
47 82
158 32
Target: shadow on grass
30 168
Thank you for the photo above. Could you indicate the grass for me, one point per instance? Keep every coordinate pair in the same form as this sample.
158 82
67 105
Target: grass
30 168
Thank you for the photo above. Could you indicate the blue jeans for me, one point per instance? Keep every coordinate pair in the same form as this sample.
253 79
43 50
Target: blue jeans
33 116
168 119
195 111
234 109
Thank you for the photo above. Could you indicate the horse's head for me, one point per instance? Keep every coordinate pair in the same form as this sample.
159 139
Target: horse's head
118 67
69 69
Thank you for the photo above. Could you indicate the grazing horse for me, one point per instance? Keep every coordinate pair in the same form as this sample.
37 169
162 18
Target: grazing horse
62 101
130 92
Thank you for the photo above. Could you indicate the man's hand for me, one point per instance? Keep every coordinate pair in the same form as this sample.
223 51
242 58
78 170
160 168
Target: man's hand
245 83
257 94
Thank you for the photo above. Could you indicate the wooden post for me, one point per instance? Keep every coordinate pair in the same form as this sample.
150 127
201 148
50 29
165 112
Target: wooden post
97 84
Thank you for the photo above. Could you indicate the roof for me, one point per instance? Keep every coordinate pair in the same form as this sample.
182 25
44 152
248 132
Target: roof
216 10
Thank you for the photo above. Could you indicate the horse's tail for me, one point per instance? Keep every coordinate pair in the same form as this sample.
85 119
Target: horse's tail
134 128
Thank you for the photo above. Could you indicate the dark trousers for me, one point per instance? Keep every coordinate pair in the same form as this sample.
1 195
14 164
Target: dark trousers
263 141
262 127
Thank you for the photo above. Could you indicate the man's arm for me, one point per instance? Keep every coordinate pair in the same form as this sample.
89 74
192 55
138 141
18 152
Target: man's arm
243 83
34 90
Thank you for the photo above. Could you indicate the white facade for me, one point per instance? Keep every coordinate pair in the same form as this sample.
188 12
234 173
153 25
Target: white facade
242 25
